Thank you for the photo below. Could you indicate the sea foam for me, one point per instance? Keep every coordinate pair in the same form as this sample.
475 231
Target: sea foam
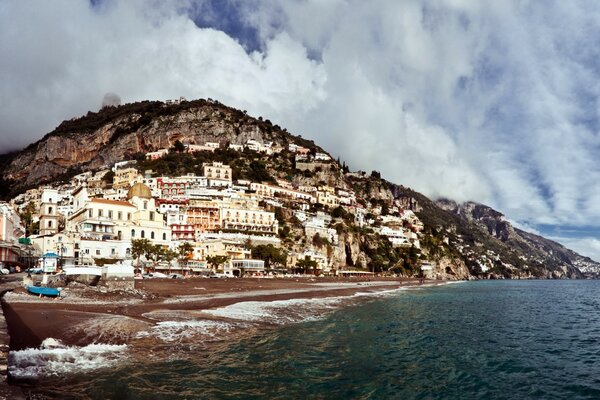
53 358
279 311
176 331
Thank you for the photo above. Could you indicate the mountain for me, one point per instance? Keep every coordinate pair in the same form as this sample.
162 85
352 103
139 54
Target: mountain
112 134
461 241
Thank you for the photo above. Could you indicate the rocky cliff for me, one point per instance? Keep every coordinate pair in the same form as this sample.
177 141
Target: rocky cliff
118 133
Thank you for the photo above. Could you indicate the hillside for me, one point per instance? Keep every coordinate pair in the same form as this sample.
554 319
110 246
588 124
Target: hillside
102 138
461 241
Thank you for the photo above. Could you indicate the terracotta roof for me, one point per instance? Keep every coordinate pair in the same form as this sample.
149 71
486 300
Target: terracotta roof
115 202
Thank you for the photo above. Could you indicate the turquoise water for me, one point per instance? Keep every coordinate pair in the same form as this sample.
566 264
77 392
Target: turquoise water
472 340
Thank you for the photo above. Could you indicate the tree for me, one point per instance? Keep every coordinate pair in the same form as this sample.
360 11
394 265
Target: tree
270 255
340 212
306 265
139 247
27 218
178 147
319 241
216 261
185 250
168 255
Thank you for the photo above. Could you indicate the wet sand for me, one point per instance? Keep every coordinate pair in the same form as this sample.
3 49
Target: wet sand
93 315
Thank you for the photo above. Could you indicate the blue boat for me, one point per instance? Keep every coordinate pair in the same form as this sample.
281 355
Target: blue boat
44 291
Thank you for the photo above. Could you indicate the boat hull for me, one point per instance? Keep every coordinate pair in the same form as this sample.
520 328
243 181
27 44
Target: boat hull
44 291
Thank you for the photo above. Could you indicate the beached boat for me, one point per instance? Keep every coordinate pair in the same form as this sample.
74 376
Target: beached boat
44 291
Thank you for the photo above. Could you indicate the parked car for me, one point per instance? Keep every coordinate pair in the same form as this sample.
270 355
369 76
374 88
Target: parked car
35 270
218 275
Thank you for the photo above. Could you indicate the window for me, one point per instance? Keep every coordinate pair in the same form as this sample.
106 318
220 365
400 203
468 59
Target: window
90 213
110 214
97 252
113 251
129 216
143 234
133 233
119 235
128 251
87 251
50 210
151 235
49 224
100 212
164 236
151 215
145 205
119 215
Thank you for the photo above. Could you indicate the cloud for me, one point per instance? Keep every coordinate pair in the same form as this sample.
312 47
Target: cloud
494 102
73 53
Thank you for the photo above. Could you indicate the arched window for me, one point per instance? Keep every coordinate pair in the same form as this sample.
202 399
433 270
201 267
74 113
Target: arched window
151 235
133 233
50 210
143 234
164 236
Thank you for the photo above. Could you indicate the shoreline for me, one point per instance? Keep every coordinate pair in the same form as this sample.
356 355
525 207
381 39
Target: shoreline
31 320
101 329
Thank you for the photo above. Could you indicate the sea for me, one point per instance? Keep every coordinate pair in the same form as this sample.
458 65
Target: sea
466 340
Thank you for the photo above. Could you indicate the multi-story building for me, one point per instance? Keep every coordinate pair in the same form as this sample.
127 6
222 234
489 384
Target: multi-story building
125 178
204 215
326 196
265 190
107 227
217 174
11 228
251 220
97 181
49 216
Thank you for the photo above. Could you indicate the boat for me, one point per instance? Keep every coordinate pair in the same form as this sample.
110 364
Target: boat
44 291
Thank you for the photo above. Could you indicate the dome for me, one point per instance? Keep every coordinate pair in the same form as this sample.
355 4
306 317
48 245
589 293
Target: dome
139 190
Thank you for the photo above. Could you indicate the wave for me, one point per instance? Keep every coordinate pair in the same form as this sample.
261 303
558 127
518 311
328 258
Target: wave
279 312
175 331
53 358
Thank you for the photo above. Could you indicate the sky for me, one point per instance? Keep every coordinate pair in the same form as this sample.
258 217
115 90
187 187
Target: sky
494 102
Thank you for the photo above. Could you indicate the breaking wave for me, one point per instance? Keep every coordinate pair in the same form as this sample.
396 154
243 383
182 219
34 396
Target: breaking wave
53 358
176 331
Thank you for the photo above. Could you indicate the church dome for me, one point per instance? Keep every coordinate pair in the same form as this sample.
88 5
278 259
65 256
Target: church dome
139 190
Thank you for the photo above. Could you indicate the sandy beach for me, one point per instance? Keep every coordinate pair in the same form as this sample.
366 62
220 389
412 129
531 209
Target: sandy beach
87 315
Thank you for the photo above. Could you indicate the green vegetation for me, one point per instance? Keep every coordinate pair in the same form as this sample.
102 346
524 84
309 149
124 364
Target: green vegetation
271 255
305 265
217 261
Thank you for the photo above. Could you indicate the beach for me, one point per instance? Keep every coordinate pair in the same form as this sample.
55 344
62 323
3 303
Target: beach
88 315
